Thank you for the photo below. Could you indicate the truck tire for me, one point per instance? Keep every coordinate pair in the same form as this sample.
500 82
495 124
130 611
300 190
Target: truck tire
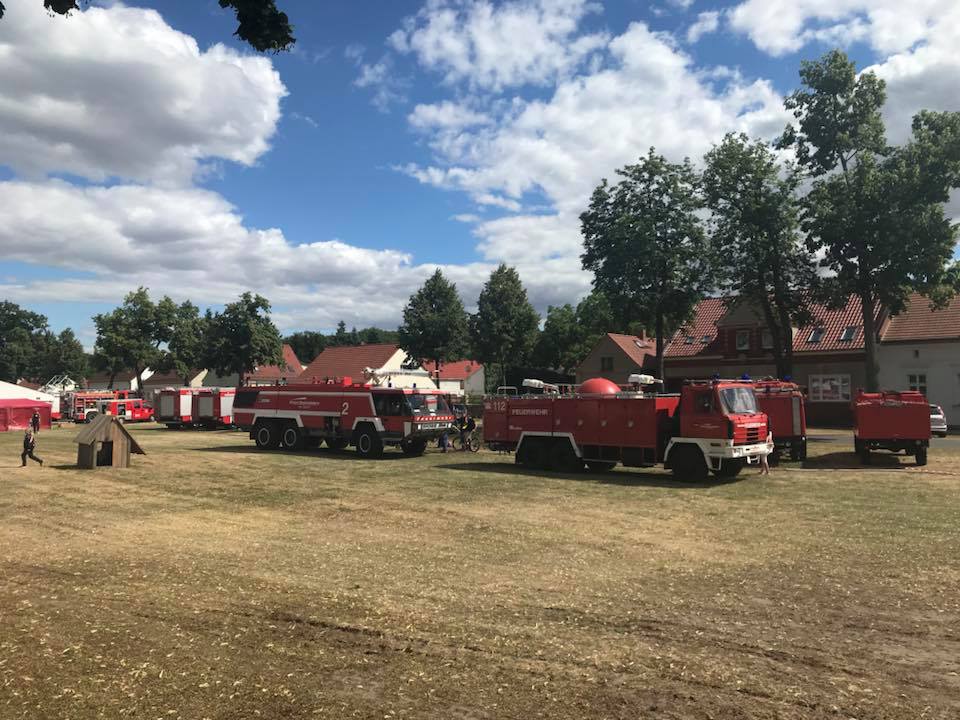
413 448
564 458
600 465
291 438
729 468
688 464
367 442
267 436
921 456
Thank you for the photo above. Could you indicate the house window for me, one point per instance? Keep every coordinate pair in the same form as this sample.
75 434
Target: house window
766 340
705 339
816 335
688 340
743 339
849 333
606 364
829 388
918 382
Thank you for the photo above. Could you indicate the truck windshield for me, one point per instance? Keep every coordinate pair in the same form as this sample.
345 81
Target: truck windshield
738 401
427 405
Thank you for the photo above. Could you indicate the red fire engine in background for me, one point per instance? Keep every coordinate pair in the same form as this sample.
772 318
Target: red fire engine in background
175 406
341 413
782 402
213 407
709 426
84 405
893 421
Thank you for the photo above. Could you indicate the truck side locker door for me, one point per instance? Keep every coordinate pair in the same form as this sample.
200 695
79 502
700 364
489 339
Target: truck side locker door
588 430
565 417
495 419
613 422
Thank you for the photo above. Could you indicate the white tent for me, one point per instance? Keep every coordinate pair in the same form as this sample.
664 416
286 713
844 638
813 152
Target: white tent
9 391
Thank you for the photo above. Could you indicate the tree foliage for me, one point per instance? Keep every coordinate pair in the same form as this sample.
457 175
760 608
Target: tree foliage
754 225
570 333
434 323
875 213
187 338
61 354
504 330
260 23
131 335
21 340
306 344
242 337
646 246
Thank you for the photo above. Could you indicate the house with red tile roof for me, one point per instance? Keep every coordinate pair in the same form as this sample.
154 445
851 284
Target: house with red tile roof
730 339
616 357
920 350
286 372
381 363
462 377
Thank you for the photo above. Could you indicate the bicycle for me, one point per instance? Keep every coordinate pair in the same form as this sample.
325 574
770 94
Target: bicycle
474 441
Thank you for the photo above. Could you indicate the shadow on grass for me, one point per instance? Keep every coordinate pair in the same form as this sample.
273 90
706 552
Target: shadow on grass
325 453
624 478
851 461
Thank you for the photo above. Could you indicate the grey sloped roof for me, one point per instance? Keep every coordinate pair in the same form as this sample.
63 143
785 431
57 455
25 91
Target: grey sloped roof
98 430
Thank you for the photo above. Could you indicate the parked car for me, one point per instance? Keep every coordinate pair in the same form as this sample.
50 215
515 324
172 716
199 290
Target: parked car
938 421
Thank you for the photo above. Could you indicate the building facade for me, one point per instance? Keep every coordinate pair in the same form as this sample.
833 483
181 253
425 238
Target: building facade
616 357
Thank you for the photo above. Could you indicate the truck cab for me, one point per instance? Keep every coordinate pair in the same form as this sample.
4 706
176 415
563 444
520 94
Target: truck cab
718 427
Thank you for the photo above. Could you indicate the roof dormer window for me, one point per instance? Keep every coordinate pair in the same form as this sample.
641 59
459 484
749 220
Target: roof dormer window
816 335
849 333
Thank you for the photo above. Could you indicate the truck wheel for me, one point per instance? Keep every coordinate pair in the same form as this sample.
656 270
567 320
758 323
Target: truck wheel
729 468
921 456
267 436
368 443
413 448
600 465
564 459
291 438
688 464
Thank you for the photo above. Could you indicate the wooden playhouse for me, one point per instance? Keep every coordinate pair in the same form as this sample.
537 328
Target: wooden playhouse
105 442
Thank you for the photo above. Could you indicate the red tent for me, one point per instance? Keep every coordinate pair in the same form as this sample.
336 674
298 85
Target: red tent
15 413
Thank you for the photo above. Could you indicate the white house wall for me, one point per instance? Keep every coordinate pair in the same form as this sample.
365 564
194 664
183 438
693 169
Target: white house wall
940 362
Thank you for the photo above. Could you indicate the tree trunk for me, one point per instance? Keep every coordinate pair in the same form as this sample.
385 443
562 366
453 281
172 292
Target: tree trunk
871 368
113 376
660 365
787 324
776 334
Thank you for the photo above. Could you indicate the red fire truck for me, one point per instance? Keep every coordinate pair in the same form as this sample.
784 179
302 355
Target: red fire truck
782 402
176 407
341 413
709 426
213 407
893 421
83 405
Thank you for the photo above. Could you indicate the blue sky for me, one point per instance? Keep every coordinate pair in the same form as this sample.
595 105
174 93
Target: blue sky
144 145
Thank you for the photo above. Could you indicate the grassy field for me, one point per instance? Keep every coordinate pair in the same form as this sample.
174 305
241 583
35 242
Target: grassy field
214 581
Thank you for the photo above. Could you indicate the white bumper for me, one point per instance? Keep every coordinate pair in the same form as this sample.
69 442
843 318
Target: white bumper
715 451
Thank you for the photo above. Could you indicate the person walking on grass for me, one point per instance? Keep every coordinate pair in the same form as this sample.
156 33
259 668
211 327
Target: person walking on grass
35 422
29 445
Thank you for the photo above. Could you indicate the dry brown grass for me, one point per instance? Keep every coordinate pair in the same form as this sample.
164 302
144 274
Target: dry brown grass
211 580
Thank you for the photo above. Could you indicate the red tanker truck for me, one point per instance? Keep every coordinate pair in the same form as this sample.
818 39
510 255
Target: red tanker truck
341 413
893 421
782 402
708 427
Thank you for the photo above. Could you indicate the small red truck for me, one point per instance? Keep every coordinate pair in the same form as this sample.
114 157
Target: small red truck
341 413
891 420
782 402
83 402
707 427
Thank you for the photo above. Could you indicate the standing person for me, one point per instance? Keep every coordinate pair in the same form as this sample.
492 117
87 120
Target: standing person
462 429
29 444
469 427
764 465
35 422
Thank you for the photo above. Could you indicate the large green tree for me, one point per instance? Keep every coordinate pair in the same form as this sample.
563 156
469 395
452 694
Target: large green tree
242 337
435 323
874 213
570 333
307 344
260 24
504 329
131 335
645 244
186 340
22 338
62 354
754 231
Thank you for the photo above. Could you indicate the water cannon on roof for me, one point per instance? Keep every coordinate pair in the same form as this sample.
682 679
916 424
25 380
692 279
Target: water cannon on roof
540 385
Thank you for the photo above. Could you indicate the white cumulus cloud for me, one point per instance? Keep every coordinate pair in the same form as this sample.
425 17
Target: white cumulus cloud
706 23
